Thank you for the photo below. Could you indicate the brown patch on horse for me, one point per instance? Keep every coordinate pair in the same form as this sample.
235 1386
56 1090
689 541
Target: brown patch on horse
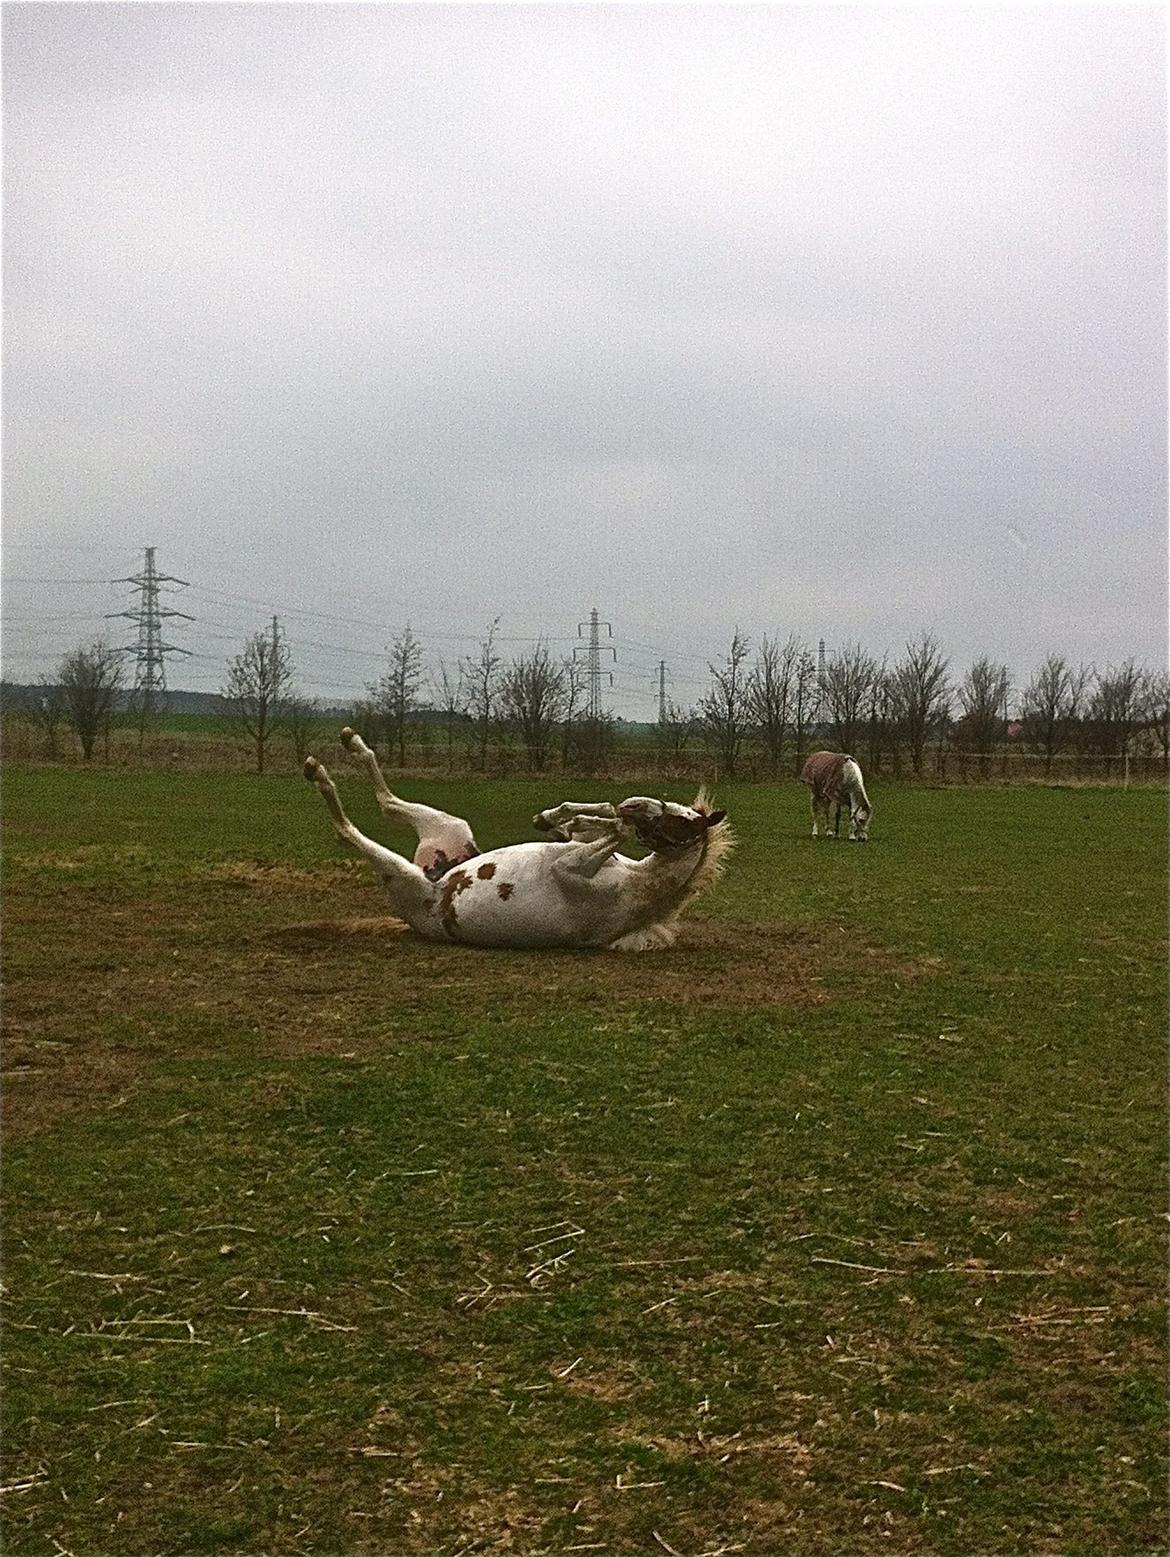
438 867
486 872
454 882
505 889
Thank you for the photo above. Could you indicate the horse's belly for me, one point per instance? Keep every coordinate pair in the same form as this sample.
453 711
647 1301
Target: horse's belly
510 897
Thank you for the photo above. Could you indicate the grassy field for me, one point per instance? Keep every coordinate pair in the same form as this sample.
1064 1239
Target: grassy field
840 1228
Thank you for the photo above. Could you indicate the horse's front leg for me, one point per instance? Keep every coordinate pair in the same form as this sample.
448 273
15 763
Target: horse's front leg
578 821
584 859
556 816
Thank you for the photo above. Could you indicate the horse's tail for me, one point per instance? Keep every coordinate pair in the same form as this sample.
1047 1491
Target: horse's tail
857 780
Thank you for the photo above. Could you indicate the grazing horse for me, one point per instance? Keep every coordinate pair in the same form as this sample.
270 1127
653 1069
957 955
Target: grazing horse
833 778
571 889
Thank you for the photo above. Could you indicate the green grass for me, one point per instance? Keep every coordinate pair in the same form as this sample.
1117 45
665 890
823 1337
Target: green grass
880 1270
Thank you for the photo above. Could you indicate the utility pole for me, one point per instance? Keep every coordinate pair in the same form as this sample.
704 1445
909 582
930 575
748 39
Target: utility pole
593 651
149 650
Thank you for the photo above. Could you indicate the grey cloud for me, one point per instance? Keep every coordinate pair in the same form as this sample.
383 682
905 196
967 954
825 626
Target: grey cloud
845 319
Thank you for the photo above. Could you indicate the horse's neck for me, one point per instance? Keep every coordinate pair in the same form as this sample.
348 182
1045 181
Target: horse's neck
668 872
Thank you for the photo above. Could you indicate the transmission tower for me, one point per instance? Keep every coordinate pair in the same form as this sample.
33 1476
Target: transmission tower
593 649
820 709
661 691
150 652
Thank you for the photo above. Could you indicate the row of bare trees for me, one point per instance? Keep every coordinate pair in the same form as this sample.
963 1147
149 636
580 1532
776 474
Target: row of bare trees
533 702
771 704
774 702
88 690
890 713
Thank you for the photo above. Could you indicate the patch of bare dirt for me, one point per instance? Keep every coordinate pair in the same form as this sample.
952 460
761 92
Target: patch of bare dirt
173 975
608 1384
715 964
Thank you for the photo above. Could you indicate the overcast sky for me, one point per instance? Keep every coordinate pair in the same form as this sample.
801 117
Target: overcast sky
837 320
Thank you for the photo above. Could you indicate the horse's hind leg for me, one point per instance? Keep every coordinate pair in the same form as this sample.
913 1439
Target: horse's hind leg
443 840
388 802
412 894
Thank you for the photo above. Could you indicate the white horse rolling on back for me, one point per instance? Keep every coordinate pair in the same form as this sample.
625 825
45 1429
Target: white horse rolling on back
573 889
834 779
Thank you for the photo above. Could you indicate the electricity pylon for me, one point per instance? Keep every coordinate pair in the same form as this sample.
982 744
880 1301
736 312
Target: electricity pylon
149 650
594 649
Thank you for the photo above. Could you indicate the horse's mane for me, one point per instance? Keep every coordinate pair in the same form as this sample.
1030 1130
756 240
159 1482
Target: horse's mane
717 844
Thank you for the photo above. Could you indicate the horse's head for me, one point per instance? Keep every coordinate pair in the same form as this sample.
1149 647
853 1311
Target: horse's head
859 824
663 824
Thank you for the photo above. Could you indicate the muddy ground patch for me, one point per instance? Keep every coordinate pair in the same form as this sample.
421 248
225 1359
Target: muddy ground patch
101 976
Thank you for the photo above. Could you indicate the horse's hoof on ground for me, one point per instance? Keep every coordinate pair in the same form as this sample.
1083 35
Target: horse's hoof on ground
310 769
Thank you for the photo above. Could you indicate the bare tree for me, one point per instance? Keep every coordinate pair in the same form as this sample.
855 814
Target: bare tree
1115 707
1051 702
921 695
723 712
574 697
849 675
674 731
89 679
534 695
805 700
301 715
983 696
364 718
481 677
879 707
44 706
1156 708
395 694
258 683
770 693
450 698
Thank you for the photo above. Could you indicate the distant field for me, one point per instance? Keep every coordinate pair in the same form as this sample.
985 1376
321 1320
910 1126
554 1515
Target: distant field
840 1228
208 743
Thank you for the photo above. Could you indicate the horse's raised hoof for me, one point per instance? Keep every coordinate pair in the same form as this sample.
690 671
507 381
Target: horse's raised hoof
347 737
310 769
